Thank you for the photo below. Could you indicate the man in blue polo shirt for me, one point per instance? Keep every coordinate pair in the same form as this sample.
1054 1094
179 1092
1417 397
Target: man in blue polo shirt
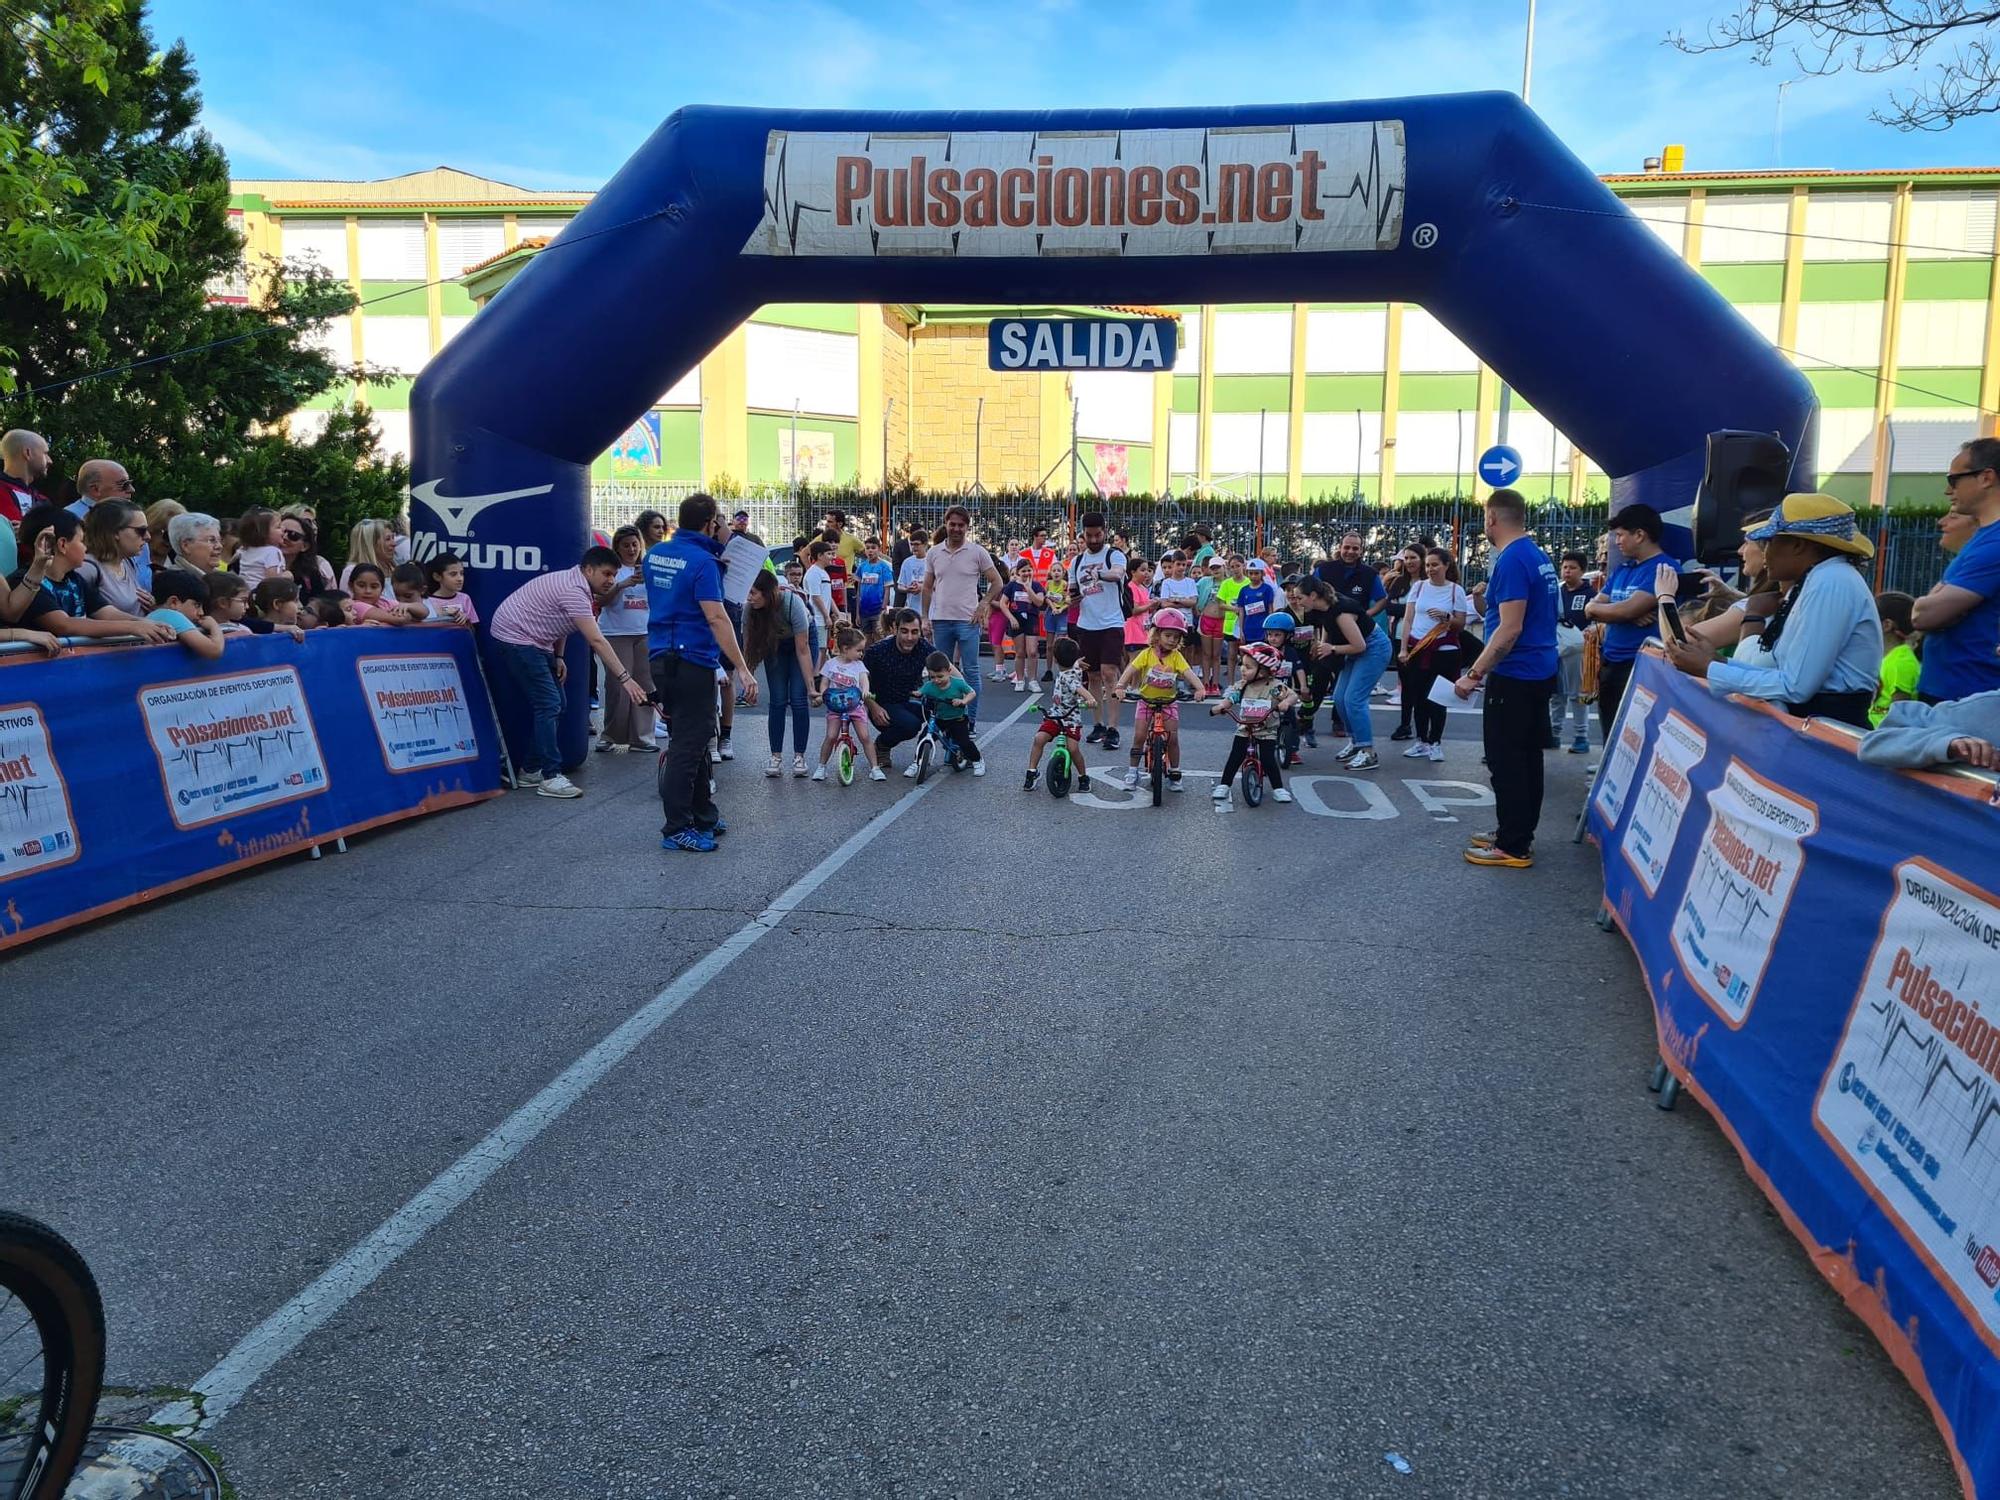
688 635
1626 605
1517 668
1960 616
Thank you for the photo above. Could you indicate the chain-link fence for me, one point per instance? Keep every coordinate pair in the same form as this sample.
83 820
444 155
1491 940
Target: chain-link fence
1298 531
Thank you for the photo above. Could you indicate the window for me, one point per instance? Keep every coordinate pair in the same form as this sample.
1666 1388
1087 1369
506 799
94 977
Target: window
395 429
399 344
1942 333
321 240
1846 440
1666 217
1762 316
466 242
1189 361
1744 227
1928 444
335 339
1848 226
1346 341
393 250
1341 442
1253 343
1436 442
1113 404
1839 333
1234 435
684 392
1950 226
1183 438
817 371
1429 346
542 229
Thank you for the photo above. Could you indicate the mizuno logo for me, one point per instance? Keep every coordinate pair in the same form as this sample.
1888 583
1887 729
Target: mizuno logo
457 511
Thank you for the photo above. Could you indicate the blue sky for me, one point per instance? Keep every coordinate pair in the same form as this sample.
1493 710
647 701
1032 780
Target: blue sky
555 96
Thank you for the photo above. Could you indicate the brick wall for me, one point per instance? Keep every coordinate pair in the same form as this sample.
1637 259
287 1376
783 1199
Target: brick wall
949 376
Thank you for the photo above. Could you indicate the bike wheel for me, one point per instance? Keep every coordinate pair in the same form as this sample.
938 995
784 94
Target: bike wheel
1253 781
1059 766
1156 760
923 759
51 1359
846 763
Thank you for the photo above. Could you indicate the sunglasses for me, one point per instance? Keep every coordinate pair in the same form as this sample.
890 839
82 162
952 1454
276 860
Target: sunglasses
122 484
141 530
291 536
1952 479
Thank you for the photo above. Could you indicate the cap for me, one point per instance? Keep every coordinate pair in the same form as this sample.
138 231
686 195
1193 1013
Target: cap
741 515
1255 565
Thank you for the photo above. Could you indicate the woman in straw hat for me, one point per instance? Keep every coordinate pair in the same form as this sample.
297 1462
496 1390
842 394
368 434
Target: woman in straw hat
1822 652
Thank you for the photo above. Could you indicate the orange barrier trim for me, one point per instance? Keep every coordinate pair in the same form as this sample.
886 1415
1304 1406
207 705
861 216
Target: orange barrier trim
1868 1303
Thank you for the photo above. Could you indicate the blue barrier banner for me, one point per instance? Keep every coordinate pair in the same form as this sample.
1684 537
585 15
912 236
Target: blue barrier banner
1822 944
129 773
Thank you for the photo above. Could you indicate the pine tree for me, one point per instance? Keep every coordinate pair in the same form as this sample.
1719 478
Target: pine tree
196 389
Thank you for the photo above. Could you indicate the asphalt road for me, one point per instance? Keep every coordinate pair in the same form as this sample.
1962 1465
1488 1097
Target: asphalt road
1043 1149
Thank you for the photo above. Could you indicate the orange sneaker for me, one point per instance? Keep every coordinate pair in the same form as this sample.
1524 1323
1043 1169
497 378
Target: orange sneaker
1499 859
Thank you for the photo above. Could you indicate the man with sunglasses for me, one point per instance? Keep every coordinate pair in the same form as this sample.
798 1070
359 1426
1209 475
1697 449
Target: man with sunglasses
1960 616
99 479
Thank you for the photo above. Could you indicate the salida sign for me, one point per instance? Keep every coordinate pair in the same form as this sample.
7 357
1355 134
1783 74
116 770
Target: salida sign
1081 343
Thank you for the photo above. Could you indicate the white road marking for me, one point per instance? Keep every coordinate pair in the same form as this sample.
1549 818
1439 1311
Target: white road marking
278 1335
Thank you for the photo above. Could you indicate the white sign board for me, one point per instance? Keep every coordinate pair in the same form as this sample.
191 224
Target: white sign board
233 744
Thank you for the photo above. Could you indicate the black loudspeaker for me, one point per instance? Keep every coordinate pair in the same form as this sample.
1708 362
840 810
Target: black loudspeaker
1745 476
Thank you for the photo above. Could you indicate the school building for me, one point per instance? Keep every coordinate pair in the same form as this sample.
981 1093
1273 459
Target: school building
1879 284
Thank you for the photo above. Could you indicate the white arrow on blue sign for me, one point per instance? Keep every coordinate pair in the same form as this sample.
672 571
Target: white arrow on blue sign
1499 465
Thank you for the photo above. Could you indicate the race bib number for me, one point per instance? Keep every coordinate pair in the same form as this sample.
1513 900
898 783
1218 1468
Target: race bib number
1160 677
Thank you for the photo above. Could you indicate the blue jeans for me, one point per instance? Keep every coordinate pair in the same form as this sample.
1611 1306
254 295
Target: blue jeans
1356 682
535 670
787 685
964 636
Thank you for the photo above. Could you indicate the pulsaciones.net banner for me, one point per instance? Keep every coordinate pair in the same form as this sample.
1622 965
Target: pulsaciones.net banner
127 774
1822 944
1222 190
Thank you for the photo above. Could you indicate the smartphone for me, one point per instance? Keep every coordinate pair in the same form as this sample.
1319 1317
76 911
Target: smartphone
1670 620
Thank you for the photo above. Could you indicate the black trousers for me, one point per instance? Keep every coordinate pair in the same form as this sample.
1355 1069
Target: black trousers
959 732
1844 708
1267 755
904 723
1612 677
687 702
1516 727
1441 662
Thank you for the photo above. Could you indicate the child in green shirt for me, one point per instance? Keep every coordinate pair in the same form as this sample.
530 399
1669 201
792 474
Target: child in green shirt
1900 664
946 694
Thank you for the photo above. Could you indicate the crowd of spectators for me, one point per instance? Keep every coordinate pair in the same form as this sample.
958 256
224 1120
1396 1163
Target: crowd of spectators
104 566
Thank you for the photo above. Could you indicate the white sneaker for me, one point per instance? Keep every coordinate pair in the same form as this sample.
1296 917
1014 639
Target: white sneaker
605 744
776 767
1395 698
714 754
1221 792
527 778
1132 776
1346 751
1279 794
819 773
911 770
798 765
648 743
1176 784
558 786
979 768
876 773
1020 686
725 750
1437 752
1418 751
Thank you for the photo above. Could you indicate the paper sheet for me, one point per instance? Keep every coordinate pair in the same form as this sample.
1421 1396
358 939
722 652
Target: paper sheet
742 559
1444 694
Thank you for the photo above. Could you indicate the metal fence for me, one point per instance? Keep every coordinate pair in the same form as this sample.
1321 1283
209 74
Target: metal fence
1299 531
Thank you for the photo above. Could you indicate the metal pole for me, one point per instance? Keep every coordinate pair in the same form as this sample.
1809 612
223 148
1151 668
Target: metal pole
1262 413
978 427
1527 82
1075 416
888 408
795 451
1357 458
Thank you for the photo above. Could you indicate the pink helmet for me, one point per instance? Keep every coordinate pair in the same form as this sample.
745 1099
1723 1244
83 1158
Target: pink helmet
1270 658
1170 619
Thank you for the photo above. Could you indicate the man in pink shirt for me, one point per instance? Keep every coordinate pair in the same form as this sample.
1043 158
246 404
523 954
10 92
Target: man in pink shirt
529 629
951 607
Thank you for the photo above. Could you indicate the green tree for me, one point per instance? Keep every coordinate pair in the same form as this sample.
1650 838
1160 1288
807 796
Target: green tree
188 392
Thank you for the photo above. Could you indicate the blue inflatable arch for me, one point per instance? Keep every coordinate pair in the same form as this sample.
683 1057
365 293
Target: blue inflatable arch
1465 204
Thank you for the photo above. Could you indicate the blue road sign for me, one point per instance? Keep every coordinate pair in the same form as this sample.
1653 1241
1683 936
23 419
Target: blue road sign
1499 466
